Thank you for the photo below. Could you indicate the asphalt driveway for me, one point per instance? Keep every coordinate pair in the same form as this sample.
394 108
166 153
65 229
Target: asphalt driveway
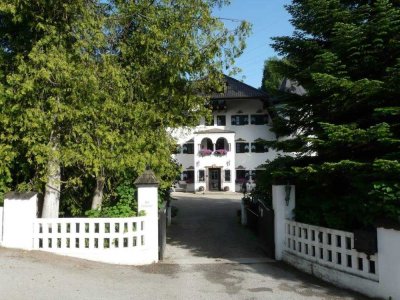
209 256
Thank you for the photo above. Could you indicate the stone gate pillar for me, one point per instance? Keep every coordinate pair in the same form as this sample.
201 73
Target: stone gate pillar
19 214
147 191
283 203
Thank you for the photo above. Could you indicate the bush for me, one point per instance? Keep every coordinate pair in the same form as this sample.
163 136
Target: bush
126 205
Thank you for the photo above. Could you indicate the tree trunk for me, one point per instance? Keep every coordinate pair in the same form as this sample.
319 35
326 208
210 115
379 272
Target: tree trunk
51 203
98 193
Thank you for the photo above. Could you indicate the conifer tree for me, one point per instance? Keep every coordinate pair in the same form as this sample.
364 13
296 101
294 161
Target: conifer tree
45 47
271 79
345 132
94 86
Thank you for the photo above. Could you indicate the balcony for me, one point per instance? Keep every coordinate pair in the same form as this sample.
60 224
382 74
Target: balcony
220 148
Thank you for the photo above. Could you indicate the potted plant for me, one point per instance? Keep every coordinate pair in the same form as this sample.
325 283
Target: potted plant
220 152
205 152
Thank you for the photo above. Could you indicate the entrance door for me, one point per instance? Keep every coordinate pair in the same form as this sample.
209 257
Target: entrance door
215 179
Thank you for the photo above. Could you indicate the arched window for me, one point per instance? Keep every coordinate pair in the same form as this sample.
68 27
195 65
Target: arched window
206 147
206 143
222 144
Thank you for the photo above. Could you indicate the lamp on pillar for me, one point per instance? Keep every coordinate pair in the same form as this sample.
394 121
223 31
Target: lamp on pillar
288 188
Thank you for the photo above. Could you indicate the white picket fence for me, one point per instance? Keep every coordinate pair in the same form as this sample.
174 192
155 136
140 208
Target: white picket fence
130 241
112 240
330 248
330 255
89 234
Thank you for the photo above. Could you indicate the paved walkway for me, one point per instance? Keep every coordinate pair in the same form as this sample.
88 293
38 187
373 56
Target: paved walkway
207 230
210 257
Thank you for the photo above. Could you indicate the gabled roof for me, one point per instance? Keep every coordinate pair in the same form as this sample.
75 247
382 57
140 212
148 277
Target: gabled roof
234 89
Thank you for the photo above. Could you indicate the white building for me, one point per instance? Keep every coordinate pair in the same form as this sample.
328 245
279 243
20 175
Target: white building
224 153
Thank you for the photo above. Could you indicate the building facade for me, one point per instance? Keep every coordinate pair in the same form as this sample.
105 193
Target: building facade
226 152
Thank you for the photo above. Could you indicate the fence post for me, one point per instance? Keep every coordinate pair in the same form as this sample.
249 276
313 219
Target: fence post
147 191
1 225
388 262
20 211
283 203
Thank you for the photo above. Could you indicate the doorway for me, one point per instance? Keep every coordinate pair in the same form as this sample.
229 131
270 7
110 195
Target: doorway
214 179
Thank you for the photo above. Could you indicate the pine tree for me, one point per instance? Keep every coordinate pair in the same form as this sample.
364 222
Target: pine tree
346 130
272 78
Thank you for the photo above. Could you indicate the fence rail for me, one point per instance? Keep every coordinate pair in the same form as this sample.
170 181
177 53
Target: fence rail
331 248
88 234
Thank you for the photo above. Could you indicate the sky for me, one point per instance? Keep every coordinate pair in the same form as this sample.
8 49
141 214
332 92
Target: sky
269 18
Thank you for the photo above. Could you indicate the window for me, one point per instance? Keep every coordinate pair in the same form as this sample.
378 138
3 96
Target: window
259 148
201 175
239 120
242 176
218 104
221 120
227 175
259 119
206 143
242 147
188 148
188 176
222 143
177 149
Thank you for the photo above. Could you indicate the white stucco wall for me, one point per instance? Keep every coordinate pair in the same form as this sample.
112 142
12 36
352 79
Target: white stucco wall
225 162
248 133
389 262
19 213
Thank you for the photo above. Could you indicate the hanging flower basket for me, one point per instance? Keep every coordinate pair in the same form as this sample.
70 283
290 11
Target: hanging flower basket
205 152
220 152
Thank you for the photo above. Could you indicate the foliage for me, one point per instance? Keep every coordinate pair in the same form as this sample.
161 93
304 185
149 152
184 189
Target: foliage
272 76
205 152
93 87
220 152
344 133
125 205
